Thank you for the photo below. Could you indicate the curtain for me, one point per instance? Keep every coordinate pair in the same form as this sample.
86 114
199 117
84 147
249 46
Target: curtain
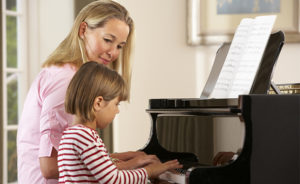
79 4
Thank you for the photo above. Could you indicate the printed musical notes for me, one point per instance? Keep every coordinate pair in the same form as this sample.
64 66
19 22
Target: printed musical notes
243 58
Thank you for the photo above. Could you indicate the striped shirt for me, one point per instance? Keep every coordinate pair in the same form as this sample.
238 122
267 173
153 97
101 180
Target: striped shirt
83 158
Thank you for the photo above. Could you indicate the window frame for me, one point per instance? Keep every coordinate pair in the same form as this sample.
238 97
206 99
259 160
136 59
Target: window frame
1 97
20 71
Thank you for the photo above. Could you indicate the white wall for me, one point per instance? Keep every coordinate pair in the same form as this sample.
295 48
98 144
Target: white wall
164 66
287 68
49 23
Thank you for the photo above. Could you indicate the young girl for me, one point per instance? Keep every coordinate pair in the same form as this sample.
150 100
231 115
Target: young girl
93 97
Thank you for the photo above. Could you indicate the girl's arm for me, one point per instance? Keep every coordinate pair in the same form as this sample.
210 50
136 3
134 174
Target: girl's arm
124 156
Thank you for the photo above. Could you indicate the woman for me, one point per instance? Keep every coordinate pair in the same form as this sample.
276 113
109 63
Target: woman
102 32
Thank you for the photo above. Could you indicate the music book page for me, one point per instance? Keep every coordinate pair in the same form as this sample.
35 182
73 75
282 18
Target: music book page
243 58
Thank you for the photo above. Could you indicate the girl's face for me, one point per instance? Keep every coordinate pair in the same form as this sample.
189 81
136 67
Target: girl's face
104 44
105 111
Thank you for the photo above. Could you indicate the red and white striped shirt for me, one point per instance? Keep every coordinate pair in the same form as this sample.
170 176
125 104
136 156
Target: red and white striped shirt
83 158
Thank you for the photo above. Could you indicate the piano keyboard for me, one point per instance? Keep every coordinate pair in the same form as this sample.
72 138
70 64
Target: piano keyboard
177 176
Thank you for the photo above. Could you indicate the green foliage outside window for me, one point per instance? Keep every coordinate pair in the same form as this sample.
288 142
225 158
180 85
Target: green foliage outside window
12 156
12 92
11 43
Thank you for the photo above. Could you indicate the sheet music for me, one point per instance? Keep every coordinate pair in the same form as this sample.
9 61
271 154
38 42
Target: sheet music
244 56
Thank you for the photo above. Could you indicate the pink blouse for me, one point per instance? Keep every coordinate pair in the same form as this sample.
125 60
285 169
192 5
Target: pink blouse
42 122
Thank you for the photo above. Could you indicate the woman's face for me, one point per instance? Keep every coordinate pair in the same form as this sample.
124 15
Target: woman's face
104 44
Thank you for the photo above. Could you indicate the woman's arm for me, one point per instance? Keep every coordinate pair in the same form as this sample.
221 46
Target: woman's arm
49 166
53 118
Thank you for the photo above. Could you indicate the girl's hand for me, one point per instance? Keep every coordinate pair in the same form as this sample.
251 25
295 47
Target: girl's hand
139 161
155 169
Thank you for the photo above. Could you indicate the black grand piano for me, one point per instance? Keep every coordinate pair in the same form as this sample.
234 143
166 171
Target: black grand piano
185 129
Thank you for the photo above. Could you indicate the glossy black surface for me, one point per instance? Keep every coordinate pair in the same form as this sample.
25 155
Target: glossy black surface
192 103
270 153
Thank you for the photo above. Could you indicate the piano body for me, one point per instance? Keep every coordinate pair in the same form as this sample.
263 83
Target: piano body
184 129
270 152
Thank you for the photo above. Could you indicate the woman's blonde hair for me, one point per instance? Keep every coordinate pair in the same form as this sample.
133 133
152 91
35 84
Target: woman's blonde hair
90 81
96 14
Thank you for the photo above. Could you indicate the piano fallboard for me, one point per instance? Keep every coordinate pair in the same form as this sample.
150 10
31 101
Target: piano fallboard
173 103
196 106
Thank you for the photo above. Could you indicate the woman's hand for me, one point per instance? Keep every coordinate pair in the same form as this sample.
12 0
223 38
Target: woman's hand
223 158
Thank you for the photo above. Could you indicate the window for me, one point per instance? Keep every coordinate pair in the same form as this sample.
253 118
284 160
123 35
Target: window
14 84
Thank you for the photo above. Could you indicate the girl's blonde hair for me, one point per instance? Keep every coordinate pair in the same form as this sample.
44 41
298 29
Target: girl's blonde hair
96 14
90 81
